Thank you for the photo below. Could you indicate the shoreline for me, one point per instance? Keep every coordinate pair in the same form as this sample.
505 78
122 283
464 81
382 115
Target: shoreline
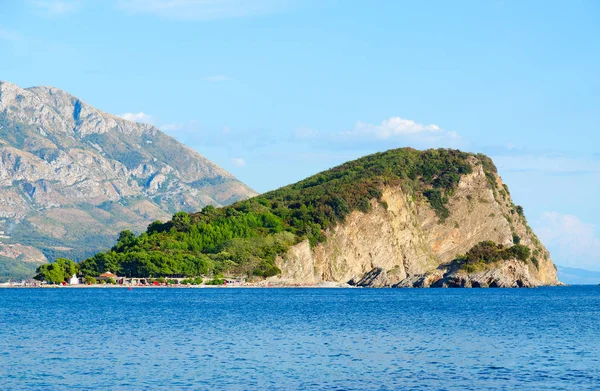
250 286
131 287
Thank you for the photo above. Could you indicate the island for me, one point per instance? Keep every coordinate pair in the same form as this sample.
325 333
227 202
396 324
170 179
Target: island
401 218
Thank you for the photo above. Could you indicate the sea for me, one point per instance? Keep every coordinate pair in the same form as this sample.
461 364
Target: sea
300 339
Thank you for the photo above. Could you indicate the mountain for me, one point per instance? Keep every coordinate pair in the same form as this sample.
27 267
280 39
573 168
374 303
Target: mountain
575 276
402 218
72 177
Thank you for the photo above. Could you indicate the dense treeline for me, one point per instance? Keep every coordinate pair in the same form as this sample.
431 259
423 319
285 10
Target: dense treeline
246 237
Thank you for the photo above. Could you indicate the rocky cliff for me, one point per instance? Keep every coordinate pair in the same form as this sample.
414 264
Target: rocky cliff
72 176
401 241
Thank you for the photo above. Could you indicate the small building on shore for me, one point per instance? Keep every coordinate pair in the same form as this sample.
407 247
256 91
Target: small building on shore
107 276
74 280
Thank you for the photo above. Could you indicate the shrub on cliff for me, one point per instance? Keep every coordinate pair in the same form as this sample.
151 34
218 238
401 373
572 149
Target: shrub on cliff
518 251
489 252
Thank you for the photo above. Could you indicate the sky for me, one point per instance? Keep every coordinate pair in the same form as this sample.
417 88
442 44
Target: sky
276 90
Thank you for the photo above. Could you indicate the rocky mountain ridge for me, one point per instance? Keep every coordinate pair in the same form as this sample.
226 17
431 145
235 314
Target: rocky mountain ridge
72 176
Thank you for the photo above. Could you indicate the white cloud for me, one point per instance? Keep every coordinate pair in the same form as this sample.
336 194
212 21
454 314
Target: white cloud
216 78
201 9
238 162
404 130
54 8
394 126
397 126
137 117
574 242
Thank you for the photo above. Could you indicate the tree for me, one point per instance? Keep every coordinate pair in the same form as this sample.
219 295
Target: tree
208 209
101 263
49 273
520 210
61 270
518 251
126 240
155 226
486 251
67 266
181 221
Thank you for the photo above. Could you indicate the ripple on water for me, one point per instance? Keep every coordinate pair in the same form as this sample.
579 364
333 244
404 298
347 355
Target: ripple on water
313 339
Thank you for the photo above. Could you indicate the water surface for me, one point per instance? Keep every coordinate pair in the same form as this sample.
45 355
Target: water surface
309 339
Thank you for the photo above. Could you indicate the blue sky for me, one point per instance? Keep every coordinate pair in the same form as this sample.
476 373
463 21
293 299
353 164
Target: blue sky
275 90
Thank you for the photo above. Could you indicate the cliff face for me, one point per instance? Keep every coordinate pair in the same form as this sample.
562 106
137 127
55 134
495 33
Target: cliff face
72 176
402 242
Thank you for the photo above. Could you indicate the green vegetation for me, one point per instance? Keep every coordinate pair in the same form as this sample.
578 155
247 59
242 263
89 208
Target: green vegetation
474 267
82 244
245 238
215 281
485 253
57 272
520 211
489 168
192 281
16 269
84 229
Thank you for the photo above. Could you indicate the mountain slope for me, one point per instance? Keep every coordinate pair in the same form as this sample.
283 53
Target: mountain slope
398 218
72 176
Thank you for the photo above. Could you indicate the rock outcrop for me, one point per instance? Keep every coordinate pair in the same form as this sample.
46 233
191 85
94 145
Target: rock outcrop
402 242
503 274
72 176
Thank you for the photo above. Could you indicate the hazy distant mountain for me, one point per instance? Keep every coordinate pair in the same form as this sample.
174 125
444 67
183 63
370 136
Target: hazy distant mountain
72 177
571 275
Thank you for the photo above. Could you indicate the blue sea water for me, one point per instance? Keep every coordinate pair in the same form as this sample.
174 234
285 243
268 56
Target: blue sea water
300 339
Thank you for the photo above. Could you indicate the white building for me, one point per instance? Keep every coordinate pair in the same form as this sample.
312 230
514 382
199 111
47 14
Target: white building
74 280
